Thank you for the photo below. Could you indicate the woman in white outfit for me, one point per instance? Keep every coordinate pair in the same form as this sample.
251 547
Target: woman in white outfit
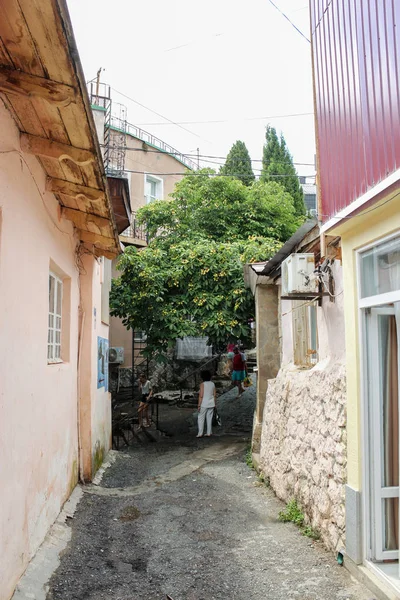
207 395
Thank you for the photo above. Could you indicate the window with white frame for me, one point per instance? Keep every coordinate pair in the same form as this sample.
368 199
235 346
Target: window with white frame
153 188
140 337
54 323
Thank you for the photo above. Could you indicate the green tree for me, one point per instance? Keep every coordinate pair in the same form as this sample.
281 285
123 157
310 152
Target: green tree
222 209
278 166
238 164
192 287
189 280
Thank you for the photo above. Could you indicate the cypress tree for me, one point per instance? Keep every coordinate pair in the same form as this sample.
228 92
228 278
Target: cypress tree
238 164
278 166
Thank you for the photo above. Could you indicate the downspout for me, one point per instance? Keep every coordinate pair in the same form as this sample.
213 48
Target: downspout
80 450
322 239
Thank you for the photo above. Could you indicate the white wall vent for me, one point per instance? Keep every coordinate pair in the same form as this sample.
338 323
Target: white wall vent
116 355
296 271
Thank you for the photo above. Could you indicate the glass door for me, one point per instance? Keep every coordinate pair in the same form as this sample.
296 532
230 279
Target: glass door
382 383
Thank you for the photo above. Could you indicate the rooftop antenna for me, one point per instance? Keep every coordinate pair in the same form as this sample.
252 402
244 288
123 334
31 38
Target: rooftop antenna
98 80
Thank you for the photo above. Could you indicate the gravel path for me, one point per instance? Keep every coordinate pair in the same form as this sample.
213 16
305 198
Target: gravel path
188 518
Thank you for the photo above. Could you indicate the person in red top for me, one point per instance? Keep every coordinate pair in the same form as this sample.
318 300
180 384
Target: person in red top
239 369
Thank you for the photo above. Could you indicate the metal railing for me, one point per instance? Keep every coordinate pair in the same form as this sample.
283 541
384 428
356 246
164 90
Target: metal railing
135 230
101 96
211 361
145 136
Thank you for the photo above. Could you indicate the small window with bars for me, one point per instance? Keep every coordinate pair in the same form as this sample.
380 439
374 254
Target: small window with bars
54 329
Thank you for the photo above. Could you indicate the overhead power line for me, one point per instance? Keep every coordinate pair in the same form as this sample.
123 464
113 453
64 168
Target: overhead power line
210 122
291 22
259 160
199 174
159 114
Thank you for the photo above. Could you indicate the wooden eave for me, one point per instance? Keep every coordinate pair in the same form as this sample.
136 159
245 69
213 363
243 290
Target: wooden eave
42 83
119 193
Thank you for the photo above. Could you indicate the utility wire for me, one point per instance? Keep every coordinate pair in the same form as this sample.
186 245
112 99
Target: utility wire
159 114
198 173
230 120
197 155
291 22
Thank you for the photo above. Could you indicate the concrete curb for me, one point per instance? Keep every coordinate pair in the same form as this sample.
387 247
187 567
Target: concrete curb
33 584
377 587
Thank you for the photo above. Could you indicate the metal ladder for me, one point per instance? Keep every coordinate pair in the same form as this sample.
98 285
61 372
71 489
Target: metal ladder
107 137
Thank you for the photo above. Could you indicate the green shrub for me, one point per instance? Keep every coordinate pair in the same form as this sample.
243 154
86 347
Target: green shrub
311 532
264 479
249 458
293 514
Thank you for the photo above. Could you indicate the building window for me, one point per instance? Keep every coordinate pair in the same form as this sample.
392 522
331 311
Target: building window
140 337
380 268
310 200
55 316
153 187
305 334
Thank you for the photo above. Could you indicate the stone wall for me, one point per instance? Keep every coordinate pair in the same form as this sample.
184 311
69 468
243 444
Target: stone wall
303 444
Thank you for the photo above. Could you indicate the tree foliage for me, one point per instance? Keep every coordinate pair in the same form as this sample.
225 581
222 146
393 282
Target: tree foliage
238 164
192 287
222 209
277 160
189 280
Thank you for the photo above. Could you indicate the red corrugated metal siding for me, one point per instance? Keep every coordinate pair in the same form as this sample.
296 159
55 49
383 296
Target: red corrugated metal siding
356 45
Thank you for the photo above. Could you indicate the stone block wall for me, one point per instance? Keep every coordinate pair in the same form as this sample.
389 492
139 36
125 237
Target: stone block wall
303 444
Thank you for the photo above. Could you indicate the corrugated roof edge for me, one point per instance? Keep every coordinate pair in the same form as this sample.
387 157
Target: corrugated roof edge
274 263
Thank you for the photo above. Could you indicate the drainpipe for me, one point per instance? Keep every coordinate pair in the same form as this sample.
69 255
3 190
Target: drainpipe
80 451
133 365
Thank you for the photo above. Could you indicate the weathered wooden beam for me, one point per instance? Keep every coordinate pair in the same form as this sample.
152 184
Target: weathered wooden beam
13 81
74 190
105 253
39 146
82 220
96 238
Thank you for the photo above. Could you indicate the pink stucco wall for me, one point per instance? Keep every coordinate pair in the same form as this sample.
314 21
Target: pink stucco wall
38 402
95 402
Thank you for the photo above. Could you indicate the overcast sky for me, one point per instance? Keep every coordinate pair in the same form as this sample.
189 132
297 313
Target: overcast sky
215 60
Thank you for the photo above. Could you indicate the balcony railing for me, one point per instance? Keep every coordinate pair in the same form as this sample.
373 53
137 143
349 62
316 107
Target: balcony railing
101 96
145 136
136 231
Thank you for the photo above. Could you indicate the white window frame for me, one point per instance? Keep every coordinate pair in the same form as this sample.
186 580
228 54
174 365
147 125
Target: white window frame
160 186
368 478
378 299
142 338
54 324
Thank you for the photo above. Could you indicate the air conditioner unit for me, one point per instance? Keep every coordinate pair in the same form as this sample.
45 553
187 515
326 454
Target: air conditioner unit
296 272
116 355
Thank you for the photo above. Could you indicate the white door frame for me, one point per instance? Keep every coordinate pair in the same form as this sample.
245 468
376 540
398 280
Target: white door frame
363 304
375 441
